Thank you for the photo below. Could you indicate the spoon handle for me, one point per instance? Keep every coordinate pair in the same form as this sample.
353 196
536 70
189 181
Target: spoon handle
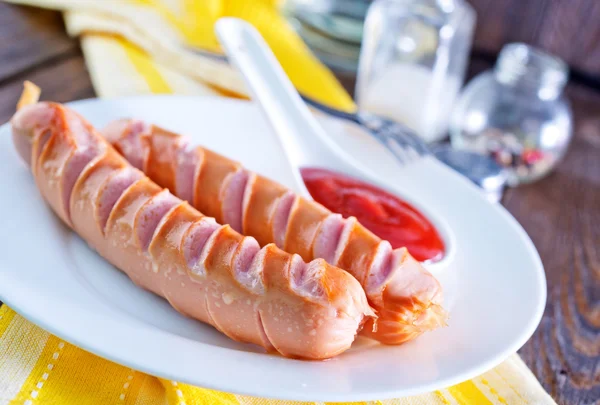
299 132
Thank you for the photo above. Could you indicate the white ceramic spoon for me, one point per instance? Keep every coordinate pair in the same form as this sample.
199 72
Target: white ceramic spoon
303 139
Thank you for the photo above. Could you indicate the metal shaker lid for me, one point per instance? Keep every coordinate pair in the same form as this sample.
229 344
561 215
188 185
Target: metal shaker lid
481 170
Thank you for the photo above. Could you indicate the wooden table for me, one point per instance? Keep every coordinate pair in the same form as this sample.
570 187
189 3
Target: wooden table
561 213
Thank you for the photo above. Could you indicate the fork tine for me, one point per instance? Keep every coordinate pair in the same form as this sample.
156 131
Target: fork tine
397 138
403 135
400 152
407 142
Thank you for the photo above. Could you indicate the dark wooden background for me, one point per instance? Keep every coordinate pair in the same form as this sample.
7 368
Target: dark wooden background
567 28
561 213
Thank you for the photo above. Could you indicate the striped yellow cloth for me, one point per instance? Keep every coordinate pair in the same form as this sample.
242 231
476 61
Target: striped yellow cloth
143 47
158 39
39 368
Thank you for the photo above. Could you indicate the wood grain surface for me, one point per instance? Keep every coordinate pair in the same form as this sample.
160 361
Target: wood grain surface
567 28
561 213
34 46
31 38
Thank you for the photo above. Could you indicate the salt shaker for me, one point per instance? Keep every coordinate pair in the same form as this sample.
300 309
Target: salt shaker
413 60
516 113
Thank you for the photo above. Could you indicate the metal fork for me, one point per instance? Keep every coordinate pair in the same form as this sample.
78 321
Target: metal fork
400 140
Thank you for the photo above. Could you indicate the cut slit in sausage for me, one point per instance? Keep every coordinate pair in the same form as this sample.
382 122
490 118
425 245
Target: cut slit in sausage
381 267
150 215
166 250
345 234
131 144
281 216
246 198
84 148
258 209
117 129
305 278
233 198
111 191
328 238
302 227
87 191
204 249
195 240
212 173
188 162
247 270
73 168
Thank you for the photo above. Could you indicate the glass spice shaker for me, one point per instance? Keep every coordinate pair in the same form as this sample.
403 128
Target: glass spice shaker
413 60
516 113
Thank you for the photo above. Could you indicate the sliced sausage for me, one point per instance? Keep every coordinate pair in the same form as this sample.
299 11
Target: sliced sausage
272 214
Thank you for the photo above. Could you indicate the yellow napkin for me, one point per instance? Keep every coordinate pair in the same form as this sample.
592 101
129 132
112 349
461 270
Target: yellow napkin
138 47
166 33
39 368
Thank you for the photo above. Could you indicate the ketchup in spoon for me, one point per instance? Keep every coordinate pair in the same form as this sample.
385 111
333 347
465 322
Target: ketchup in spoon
384 214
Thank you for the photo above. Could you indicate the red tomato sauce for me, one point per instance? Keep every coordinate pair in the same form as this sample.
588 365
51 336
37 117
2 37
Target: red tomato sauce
384 214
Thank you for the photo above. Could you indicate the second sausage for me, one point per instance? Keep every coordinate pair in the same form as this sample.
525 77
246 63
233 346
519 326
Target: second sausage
406 296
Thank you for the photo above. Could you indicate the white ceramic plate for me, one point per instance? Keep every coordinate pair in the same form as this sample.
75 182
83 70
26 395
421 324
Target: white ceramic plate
494 281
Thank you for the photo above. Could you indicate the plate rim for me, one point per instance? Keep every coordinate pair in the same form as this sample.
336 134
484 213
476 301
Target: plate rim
28 312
